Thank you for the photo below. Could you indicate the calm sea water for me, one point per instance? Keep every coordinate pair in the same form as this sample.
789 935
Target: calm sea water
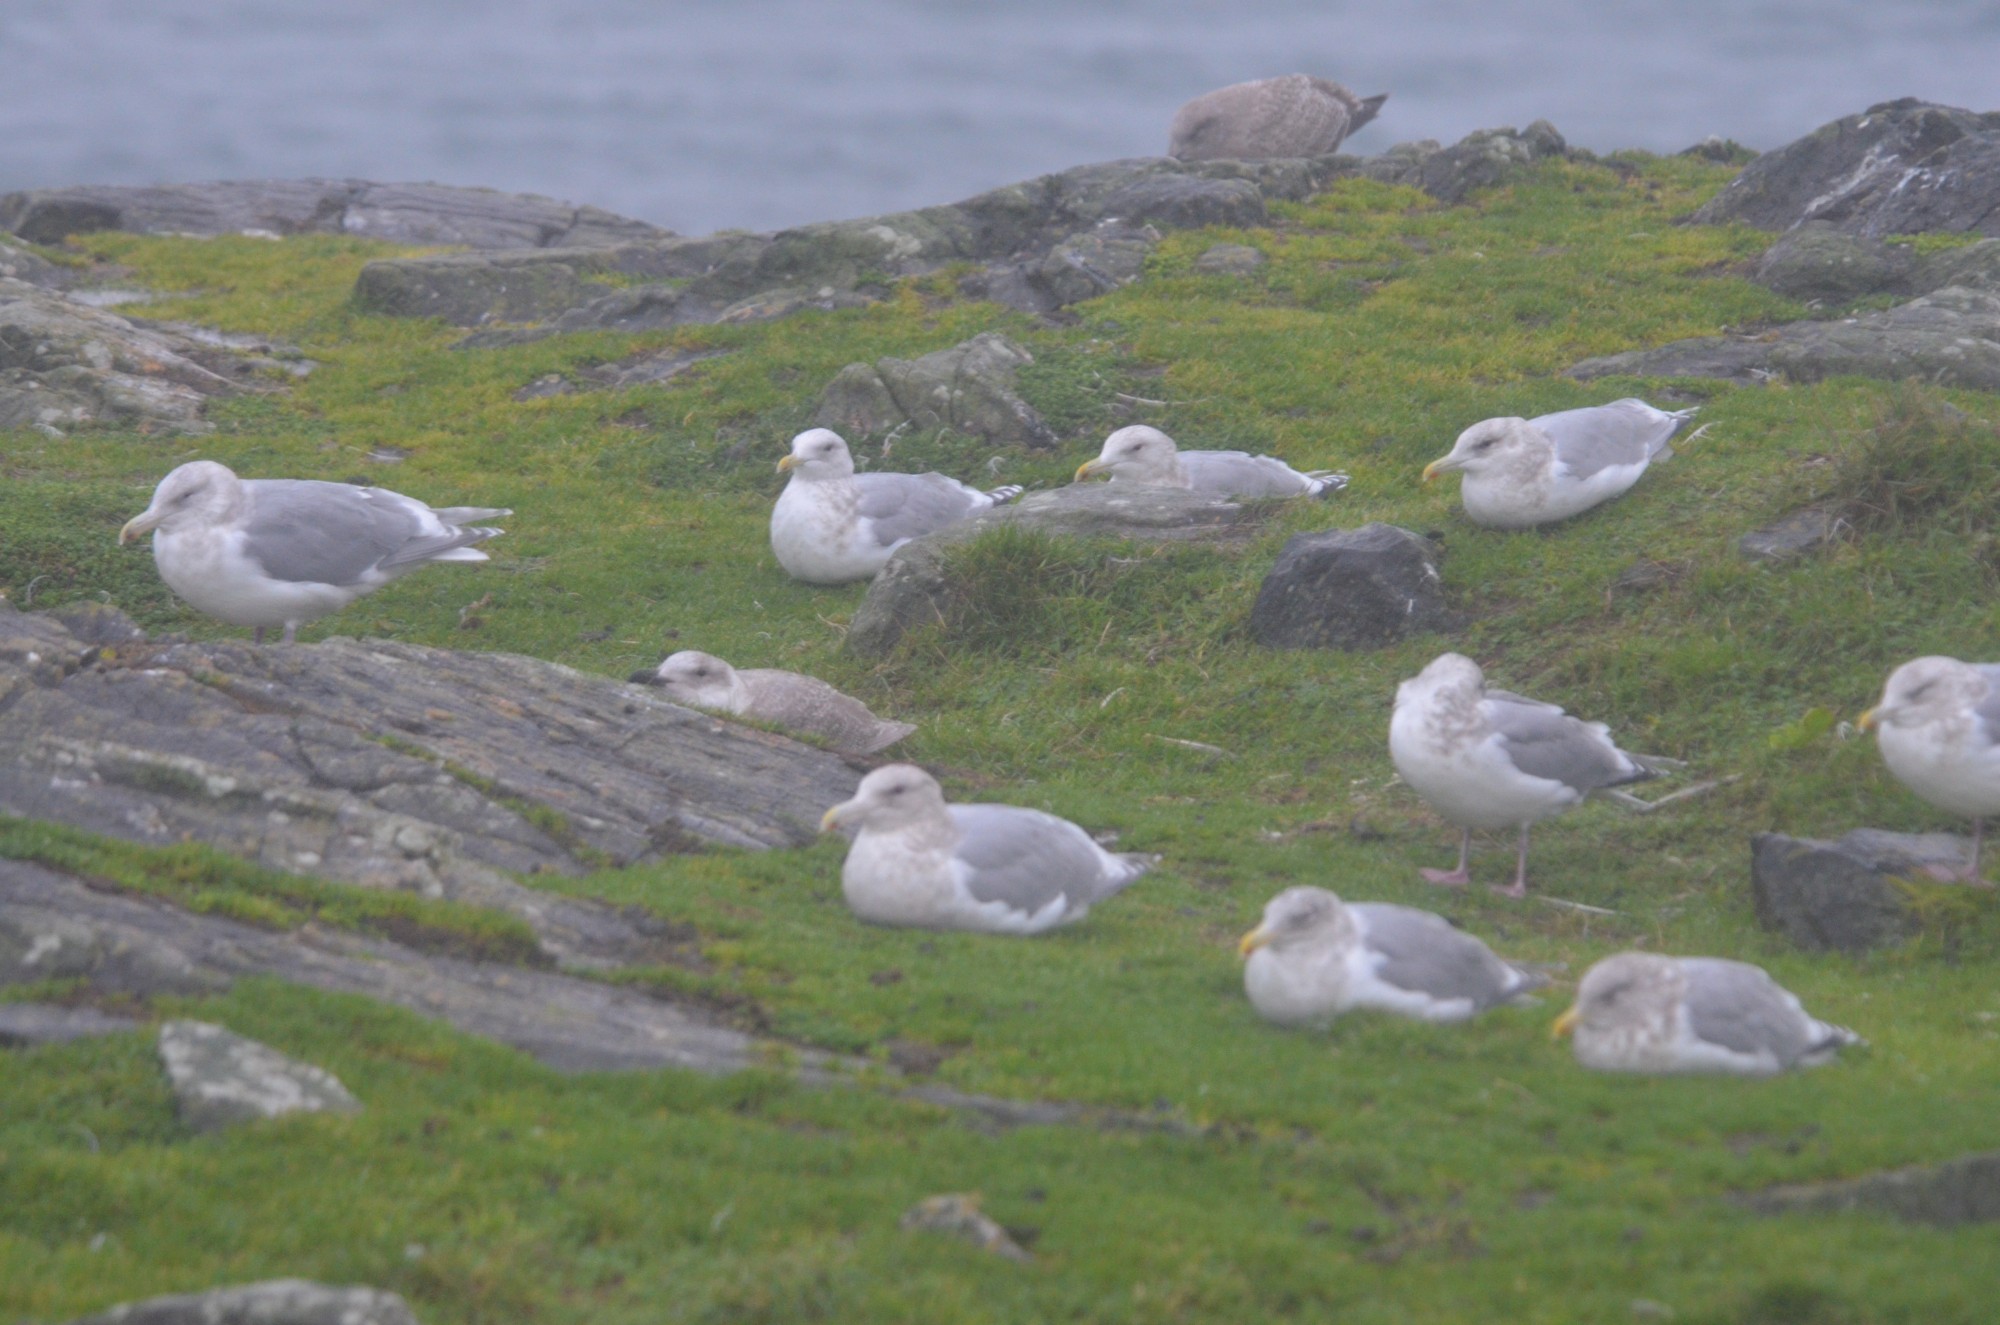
763 113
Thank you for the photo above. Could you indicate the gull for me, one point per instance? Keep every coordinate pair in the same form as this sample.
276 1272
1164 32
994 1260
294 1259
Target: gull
1524 472
785 699
832 525
282 552
1644 1012
1492 759
1938 727
1292 115
1141 454
997 869
1314 957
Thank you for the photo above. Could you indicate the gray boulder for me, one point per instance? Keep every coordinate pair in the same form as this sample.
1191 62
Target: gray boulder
1848 895
1817 263
1097 261
1898 168
1975 266
47 1023
1486 159
1350 589
915 590
1959 1191
221 1079
273 1302
968 388
400 213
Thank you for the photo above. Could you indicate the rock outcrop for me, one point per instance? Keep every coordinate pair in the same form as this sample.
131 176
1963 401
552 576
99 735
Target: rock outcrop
1822 265
968 388
400 213
272 1302
1350 589
1852 894
1959 1191
47 1023
221 1079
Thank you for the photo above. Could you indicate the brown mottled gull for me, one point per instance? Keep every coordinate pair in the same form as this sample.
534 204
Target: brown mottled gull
282 552
1644 1012
785 699
1142 454
1294 115
998 869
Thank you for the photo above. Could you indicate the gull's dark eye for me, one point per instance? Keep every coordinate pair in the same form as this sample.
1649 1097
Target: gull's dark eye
1922 690
1486 445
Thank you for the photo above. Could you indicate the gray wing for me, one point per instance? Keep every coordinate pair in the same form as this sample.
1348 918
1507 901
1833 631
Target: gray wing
1240 474
336 533
1423 953
1544 742
901 506
1740 1007
1625 432
1987 710
1027 859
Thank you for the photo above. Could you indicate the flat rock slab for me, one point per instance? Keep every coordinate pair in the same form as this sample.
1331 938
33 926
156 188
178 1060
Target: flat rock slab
1792 536
399 213
46 1023
1958 1191
221 1079
968 388
1852 894
273 1302
1950 337
390 765
1350 589
913 589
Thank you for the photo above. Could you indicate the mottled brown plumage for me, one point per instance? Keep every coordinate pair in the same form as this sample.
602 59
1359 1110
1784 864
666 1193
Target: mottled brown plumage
1295 115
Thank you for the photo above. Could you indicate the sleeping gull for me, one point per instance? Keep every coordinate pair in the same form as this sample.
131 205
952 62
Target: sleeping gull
999 869
1643 1012
1315 957
785 699
1140 454
1524 472
1292 115
1491 759
1938 727
280 551
832 525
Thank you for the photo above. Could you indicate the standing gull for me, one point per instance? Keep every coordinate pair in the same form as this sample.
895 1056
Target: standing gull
785 699
1491 759
1291 115
998 869
832 525
1524 472
1643 1012
282 552
1315 957
1938 727
1140 454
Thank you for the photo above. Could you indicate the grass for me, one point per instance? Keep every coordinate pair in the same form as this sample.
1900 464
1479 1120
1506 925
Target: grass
1384 1172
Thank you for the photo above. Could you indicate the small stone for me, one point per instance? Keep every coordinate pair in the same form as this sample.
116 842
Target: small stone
220 1079
1644 1308
1350 589
968 388
959 1216
1792 536
548 384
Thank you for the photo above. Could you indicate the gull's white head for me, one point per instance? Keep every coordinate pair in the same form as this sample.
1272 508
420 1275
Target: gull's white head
1623 994
892 797
1447 671
1140 454
693 677
1297 917
818 454
1493 446
1926 690
197 493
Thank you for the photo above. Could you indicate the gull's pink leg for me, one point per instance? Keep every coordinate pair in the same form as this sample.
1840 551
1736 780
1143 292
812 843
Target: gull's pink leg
1970 873
1459 877
1519 888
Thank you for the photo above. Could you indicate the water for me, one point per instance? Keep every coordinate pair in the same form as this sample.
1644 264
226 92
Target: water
764 113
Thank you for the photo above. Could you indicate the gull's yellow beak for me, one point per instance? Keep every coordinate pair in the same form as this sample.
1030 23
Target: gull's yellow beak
1087 468
141 523
1564 1024
1252 941
1434 468
787 463
830 820
1868 722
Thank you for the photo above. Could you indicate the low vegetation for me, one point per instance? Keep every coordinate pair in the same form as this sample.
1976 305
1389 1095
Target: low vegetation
1385 1172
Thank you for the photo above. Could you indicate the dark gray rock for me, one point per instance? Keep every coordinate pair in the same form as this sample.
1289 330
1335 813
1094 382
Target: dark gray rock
1959 1191
220 1079
20 264
393 766
468 289
913 589
1230 260
1097 261
1975 266
1487 158
968 388
1817 263
1188 202
55 947
1798 534
1898 168
47 1023
272 1302
1850 895
1350 589
1722 151
400 213
1731 358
